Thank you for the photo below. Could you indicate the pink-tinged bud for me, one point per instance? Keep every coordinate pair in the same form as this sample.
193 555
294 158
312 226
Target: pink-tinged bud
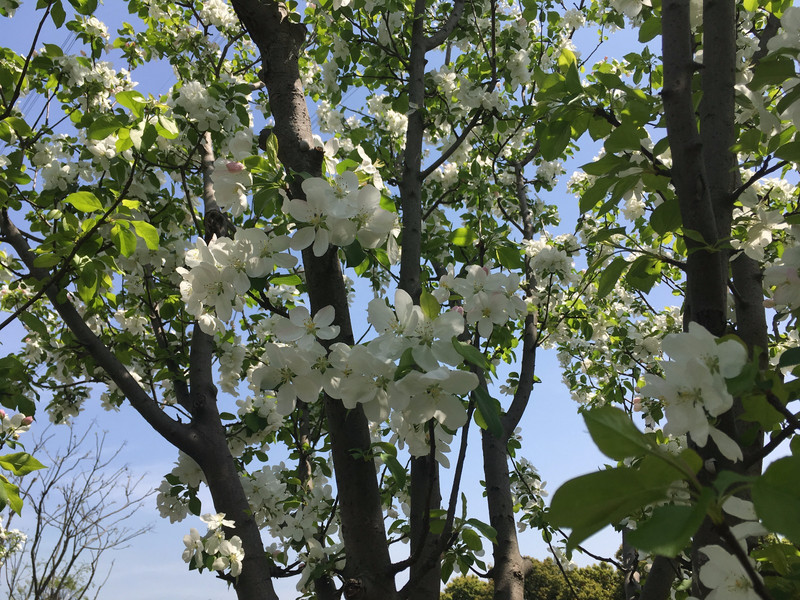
768 303
637 404
234 167
27 420
2 414
485 270
459 310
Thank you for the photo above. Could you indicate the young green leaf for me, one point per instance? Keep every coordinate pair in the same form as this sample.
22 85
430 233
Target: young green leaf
147 232
20 463
776 496
615 434
670 528
487 406
84 201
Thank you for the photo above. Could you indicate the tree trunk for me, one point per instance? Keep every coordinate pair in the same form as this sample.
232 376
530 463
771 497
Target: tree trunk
510 567
705 175
368 566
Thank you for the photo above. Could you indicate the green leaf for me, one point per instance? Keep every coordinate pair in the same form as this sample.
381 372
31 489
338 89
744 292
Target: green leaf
644 272
124 239
670 528
103 126
167 128
509 257
666 217
285 280
58 13
772 70
429 305
472 539
588 503
486 530
20 463
84 7
650 29
463 236
750 5
790 152
84 201
472 355
487 406
9 495
625 137
147 232
20 126
405 365
195 506
757 409
595 193
573 78
272 150
395 468
33 322
610 276
615 434
133 101
789 358
555 138
776 496
45 261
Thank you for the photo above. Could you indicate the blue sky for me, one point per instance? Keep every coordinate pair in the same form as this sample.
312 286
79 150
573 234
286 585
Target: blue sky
554 437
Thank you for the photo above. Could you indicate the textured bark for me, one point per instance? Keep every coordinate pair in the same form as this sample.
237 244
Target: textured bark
658 585
411 183
425 492
510 567
227 493
630 568
368 566
425 495
705 278
705 175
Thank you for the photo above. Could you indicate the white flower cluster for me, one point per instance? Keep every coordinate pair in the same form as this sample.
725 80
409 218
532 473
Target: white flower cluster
11 542
231 181
297 367
219 14
546 258
488 299
390 121
100 77
200 106
548 171
789 33
693 388
226 553
219 273
338 214
53 160
169 502
783 276
95 27
11 427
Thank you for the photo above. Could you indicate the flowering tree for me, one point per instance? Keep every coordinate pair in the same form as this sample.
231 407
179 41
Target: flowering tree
190 250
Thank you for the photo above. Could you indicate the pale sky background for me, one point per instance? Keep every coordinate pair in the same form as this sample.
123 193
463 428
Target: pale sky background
554 436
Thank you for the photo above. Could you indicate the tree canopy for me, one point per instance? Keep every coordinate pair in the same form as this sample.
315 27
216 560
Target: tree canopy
546 581
321 313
